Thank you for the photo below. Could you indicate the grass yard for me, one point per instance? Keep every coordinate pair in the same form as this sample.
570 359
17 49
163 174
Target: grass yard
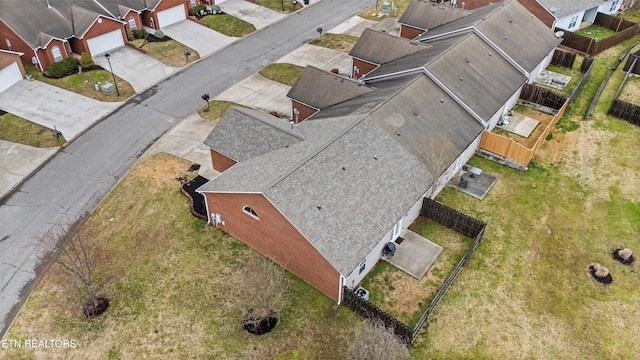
18 130
84 83
168 52
574 72
596 31
525 294
228 25
283 73
339 42
216 110
372 12
171 277
283 6
631 90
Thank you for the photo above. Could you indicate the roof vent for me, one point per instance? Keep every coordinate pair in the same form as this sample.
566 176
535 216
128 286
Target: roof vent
319 207
375 157
441 100
344 168
553 9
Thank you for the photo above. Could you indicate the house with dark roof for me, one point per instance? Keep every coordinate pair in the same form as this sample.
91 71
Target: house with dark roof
323 194
11 69
48 31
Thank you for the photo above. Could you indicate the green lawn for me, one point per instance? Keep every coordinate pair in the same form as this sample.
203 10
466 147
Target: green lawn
228 25
339 42
373 12
283 73
595 31
215 110
18 130
168 52
284 6
84 83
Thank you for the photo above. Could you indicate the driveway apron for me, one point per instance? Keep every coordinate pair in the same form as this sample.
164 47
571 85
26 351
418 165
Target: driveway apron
51 106
260 93
140 70
258 16
320 57
198 37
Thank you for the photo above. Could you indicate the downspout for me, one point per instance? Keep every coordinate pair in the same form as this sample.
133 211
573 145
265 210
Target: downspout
39 64
340 287
206 205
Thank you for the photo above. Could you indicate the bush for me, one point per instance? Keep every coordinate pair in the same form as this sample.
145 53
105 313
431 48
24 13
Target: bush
376 342
159 34
86 61
194 10
63 68
130 37
139 34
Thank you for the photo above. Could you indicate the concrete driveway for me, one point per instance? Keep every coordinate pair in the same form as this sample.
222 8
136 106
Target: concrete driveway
198 37
354 26
260 93
51 106
18 161
140 70
319 57
257 15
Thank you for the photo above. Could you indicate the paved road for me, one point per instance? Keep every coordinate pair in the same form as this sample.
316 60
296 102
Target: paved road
74 181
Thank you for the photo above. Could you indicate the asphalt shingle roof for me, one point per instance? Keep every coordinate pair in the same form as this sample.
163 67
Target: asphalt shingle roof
426 15
566 8
378 47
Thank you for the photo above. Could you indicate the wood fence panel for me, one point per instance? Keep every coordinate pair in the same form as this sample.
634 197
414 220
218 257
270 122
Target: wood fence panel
564 59
626 111
506 148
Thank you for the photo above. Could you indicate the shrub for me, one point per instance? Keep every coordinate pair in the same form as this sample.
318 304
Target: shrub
196 9
63 68
159 34
625 253
130 37
86 61
375 341
601 271
139 34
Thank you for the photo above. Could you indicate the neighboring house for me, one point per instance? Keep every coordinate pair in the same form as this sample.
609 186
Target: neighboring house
11 69
323 194
48 31
420 16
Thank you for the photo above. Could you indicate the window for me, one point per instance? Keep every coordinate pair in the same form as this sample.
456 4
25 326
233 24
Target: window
8 44
613 6
57 56
250 212
574 21
193 3
363 266
132 24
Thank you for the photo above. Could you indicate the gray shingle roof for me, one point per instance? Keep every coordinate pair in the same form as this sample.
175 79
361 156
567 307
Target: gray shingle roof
322 89
566 8
261 133
378 47
425 15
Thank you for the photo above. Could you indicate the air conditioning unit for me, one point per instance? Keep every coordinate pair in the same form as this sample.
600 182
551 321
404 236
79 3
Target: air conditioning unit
362 293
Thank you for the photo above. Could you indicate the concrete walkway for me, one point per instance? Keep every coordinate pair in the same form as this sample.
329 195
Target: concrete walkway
415 255
354 26
320 57
257 15
198 37
260 93
185 140
140 70
18 161
50 106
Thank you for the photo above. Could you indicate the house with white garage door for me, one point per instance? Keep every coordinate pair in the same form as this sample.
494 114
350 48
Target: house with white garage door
49 31
11 69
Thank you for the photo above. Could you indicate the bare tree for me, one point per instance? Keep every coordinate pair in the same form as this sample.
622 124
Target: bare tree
436 153
83 260
261 291
376 342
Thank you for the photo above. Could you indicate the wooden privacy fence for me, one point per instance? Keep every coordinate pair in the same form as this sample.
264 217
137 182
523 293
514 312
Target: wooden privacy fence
370 312
513 151
564 59
624 30
461 223
626 111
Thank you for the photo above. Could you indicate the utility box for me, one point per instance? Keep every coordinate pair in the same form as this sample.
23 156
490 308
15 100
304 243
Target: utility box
108 88
386 8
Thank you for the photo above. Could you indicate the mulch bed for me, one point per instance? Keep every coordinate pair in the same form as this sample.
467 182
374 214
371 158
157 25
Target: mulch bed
260 326
92 309
615 256
196 200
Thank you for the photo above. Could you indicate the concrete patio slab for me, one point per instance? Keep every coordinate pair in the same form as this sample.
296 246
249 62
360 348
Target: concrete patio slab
138 69
185 140
198 37
354 26
414 254
552 79
18 161
260 93
257 15
51 106
520 125
471 183
320 57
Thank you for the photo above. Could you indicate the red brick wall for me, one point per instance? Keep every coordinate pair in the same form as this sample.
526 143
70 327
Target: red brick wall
16 43
146 17
220 162
166 4
364 67
46 55
304 111
136 17
6 59
409 32
274 236
539 11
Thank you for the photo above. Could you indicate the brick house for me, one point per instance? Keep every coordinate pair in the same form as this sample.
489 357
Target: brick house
11 69
51 30
322 194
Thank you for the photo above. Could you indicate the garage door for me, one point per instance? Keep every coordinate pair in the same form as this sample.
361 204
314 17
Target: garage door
105 42
171 15
9 76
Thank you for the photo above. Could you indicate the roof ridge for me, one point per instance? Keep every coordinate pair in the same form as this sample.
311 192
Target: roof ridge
296 133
